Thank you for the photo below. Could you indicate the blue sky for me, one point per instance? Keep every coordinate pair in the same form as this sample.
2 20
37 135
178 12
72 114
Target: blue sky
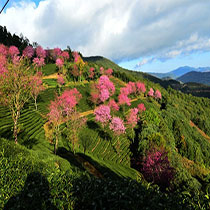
143 35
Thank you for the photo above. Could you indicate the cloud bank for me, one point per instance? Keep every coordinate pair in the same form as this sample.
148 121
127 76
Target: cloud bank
119 30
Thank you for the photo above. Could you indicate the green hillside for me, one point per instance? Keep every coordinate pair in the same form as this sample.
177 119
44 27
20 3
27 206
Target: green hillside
105 173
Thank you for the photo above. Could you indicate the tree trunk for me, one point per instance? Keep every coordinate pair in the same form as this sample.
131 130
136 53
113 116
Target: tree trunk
15 132
56 144
35 103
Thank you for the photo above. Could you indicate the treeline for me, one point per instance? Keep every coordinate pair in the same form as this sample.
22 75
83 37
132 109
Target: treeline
9 39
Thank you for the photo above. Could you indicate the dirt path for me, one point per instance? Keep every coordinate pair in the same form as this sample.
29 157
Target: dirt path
52 76
200 131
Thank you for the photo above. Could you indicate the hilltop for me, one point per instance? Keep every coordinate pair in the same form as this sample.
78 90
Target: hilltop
159 157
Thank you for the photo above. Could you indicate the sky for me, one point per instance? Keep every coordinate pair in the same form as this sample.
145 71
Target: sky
142 35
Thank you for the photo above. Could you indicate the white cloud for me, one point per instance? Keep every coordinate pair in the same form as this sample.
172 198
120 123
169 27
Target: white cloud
114 28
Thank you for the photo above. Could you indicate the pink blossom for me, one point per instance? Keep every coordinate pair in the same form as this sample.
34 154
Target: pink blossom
104 95
91 72
151 92
59 62
56 52
39 74
40 52
124 91
123 99
109 72
28 52
3 50
102 114
65 55
76 56
132 117
131 87
105 83
70 99
55 115
117 126
141 107
16 60
101 70
13 51
140 87
113 105
158 94
60 80
3 60
38 62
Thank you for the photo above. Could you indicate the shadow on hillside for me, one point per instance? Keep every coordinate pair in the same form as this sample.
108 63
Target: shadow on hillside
106 172
34 195
29 143
70 156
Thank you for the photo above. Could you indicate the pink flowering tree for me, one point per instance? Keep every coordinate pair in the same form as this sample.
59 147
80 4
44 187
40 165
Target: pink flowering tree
40 52
13 51
91 73
117 127
156 168
106 88
36 87
158 94
113 105
63 109
15 90
38 63
132 118
61 82
28 52
102 91
3 50
108 72
151 93
102 115
124 100
141 107
140 88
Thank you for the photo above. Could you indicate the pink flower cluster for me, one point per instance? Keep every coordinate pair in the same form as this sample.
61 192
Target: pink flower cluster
117 125
40 52
132 117
102 114
103 90
38 62
28 52
13 51
60 80
156 94
91 72
64 105
113 105
59 62
141 108
76 56
3 50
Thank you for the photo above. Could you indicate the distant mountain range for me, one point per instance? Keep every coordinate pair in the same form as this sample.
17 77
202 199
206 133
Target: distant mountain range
195 76
180 72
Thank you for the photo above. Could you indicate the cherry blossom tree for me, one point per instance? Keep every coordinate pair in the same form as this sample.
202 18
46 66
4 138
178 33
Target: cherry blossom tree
102 114
15 89
113 105
132 118
151 92
28 52
141 107
158 94
63 109
140 87
36 87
